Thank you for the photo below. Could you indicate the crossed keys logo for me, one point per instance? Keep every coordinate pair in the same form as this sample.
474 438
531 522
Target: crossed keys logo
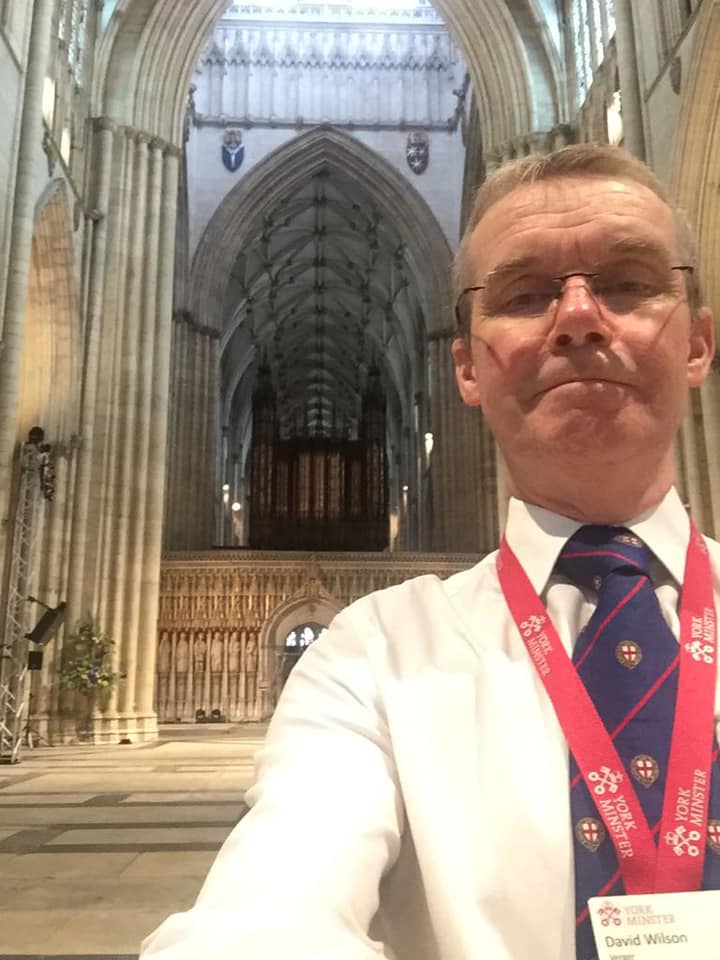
683 841
607 780
532 626
608 914
700 651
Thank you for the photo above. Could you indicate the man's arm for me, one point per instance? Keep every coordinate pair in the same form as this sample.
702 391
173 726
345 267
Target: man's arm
298 878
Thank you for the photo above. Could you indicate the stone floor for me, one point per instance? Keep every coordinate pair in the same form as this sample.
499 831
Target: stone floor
99 844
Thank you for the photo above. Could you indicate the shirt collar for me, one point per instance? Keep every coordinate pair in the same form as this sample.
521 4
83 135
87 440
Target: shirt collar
537 536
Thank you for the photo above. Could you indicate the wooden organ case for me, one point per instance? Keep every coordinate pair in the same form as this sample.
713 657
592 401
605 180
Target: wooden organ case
318 492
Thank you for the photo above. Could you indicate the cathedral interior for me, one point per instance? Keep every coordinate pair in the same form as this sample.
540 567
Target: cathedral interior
227 401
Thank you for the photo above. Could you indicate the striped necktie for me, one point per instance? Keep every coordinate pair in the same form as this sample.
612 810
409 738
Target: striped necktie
627 658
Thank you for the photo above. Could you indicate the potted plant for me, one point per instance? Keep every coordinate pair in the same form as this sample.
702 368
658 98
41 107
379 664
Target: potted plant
87 670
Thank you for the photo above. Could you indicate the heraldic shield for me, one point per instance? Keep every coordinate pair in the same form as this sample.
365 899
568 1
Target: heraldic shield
417 151
233 150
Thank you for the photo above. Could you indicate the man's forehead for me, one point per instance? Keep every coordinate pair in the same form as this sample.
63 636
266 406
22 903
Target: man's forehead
558 192
590 212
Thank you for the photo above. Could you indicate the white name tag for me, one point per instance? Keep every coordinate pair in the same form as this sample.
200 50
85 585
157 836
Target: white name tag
681 926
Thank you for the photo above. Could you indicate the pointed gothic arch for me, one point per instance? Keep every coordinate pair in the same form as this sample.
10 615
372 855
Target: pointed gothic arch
292 165
311 604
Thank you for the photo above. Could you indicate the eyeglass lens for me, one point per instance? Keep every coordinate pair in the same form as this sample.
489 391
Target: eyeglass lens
621 290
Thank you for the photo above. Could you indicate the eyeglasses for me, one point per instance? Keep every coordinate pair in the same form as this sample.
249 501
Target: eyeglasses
618 290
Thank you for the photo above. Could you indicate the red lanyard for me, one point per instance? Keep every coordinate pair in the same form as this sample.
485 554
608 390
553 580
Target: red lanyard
677 862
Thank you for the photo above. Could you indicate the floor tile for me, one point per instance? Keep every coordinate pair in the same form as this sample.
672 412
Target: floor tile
148 835
66 865
185 863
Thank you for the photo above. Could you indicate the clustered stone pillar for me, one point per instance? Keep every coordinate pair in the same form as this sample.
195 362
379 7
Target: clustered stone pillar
117 529
189 518
463 465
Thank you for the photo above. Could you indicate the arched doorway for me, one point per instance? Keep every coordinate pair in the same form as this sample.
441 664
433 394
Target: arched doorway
290 630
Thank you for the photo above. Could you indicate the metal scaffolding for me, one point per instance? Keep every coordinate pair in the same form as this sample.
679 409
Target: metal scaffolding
30 490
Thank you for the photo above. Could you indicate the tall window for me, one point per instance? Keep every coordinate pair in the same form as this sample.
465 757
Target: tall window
72 31
592 24
301 637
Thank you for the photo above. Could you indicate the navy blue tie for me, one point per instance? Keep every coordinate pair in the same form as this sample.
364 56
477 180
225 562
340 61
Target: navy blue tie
627 658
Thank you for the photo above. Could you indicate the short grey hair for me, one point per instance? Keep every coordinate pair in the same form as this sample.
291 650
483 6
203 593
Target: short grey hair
577 160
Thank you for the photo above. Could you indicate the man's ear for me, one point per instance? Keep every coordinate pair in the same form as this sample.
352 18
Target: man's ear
465 372
702 346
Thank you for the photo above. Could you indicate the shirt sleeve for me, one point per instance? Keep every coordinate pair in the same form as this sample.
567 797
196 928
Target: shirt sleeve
298 878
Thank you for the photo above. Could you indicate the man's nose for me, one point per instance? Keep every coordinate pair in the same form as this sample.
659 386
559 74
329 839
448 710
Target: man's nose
578 318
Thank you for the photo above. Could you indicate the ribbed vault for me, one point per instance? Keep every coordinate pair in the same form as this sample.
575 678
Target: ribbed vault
148 53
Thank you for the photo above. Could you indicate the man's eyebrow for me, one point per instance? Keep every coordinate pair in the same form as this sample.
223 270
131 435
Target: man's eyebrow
512 267
620 248
639 246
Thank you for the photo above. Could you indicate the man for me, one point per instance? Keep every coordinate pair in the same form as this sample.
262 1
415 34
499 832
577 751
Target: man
416 797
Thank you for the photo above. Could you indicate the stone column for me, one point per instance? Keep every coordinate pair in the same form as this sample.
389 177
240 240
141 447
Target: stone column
710 406
458 462
190 517
152 541
694 466
633 130
102 151
149 184
438 347
490 511
503 494
176 467
21 233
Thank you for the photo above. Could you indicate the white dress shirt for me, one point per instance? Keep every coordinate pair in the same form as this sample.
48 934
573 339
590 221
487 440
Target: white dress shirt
411 799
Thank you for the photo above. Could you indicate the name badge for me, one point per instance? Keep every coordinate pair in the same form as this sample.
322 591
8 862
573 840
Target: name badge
681 926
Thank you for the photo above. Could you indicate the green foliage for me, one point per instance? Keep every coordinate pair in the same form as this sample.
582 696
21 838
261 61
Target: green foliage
87 665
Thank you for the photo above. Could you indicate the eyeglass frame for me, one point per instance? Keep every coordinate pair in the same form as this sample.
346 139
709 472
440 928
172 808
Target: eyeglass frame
561 280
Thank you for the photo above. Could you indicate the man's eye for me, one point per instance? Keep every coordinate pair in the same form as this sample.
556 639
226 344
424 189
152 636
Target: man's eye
631 287
528 302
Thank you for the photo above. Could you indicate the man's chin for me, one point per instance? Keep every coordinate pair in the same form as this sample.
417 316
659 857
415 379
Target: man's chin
588 435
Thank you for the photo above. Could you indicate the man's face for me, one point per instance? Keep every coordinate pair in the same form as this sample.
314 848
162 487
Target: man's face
588 377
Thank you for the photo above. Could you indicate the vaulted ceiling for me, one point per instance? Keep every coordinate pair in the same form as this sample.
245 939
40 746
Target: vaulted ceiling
321 290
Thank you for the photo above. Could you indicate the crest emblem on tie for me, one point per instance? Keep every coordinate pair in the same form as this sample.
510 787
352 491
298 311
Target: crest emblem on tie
233 150
713 835
628 654
644 769
590 832
628 539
